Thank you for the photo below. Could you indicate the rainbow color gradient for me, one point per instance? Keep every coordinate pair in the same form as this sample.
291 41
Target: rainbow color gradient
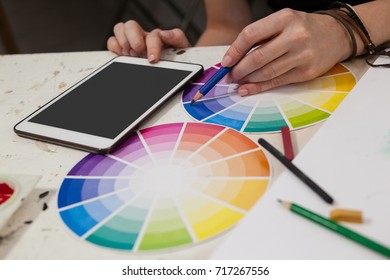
296 105
167 186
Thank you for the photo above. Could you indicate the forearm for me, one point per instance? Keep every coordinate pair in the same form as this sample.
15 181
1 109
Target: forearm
217 37
224 21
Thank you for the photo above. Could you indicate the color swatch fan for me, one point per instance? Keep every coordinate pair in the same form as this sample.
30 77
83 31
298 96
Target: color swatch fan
296 105
167 186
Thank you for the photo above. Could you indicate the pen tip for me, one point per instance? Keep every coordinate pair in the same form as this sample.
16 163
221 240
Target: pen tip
192 101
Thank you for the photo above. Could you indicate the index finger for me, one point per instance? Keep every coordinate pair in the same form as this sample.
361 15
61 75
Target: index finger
252 35
154 45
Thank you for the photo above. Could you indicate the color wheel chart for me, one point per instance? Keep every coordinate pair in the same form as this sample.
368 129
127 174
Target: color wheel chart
167 186
296 105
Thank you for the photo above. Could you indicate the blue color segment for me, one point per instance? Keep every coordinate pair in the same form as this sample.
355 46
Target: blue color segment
78 220
198 112
70 192
74 190
83 217
233 123
205 108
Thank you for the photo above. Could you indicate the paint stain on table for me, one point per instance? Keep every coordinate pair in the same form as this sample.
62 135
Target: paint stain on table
5 192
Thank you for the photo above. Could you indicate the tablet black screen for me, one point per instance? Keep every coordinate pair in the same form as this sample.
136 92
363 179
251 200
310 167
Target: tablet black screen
108 102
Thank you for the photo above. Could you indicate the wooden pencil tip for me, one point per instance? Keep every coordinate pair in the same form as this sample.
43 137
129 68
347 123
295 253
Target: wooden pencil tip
285 203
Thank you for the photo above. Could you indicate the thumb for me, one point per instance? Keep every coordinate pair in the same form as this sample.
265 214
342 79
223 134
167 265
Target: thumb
174 38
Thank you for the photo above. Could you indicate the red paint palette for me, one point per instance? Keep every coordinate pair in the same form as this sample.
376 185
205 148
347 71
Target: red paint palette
6 191
13 189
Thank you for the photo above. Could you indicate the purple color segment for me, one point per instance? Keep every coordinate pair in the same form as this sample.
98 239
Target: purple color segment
190 92
85 166
99 165
217 91
220 91
117 169
207 74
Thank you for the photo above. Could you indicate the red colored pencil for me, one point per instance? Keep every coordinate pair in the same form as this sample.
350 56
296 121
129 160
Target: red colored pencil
287 143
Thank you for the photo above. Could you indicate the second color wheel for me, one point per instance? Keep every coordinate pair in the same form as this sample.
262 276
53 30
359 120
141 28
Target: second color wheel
296 105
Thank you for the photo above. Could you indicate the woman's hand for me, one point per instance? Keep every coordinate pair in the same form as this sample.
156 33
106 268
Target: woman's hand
130 39
293 47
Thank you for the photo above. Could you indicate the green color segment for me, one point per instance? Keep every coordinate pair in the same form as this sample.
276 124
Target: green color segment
107 237
121 231
265 119
165 229
300 114
163 240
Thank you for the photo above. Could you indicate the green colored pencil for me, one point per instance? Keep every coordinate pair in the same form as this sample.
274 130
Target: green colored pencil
337 228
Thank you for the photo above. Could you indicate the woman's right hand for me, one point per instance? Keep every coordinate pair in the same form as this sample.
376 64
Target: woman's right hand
131 39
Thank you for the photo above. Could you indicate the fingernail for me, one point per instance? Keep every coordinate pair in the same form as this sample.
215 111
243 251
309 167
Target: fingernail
243 92
151 58
227 60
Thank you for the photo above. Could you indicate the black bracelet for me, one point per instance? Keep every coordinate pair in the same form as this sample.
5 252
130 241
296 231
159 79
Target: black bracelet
352 14
348 13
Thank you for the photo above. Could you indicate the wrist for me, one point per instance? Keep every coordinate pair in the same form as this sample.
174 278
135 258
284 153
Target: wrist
344 39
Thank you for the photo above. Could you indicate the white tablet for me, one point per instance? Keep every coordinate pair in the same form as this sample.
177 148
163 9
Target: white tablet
100 110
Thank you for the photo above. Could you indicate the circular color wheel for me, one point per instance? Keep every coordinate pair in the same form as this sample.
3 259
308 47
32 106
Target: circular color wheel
296 105
167 186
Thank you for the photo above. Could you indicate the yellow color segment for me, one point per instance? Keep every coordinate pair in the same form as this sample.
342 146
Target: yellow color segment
332 103
345 82
342 82
208 218
219 222
328 101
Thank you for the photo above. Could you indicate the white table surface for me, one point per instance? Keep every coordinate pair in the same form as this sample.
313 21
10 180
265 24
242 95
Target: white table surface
30 80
